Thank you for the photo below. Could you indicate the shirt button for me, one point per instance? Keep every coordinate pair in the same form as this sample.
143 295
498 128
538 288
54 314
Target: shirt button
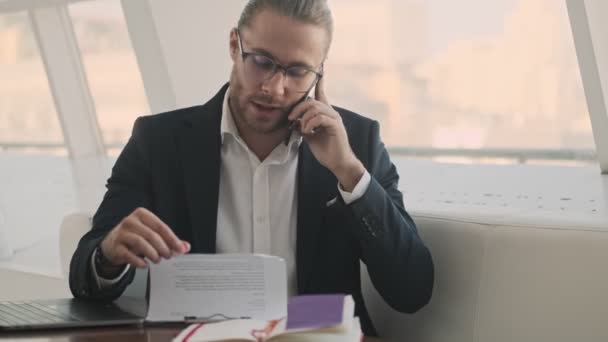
261 219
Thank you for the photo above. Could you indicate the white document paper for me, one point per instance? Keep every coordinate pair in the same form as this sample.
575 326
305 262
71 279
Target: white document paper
208 287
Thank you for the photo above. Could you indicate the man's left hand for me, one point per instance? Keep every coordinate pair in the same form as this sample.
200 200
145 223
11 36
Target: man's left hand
322 128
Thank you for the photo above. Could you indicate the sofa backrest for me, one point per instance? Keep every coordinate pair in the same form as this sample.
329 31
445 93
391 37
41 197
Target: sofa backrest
505 283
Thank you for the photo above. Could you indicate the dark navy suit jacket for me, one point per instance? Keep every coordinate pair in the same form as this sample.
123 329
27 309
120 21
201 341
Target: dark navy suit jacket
171 166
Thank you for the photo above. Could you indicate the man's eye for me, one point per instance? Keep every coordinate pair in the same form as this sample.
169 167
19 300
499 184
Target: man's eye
297 72
263 62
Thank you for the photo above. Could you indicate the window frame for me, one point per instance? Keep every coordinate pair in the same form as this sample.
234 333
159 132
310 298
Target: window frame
585 21
591 44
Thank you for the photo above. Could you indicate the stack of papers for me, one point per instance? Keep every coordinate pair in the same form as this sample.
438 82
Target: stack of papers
216 287
233 297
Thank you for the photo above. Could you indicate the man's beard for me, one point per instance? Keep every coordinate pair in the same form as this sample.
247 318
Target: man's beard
238 103
240 115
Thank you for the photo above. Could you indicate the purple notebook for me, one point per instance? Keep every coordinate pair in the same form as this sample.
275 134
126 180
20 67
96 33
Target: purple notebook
315 311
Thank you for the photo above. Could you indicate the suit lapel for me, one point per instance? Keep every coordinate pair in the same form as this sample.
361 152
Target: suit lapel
199 145
316 186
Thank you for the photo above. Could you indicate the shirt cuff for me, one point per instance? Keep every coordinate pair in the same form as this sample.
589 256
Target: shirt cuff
358 191
103 283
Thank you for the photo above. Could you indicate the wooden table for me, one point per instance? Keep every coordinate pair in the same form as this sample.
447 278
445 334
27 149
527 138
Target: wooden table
116 334
131 333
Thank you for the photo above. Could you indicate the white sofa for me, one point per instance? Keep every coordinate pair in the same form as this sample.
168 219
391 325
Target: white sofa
507 283
492 283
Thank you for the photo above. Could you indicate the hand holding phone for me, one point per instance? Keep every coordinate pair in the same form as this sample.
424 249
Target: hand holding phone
324 132
295 123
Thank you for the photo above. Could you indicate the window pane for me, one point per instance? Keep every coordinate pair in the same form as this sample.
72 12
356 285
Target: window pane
464 74
111 67
27 113
36 189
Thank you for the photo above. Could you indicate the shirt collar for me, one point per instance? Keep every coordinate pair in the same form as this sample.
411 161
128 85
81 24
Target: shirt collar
227 125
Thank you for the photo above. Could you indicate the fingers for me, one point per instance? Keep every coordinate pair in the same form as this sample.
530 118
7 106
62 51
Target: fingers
320 104
141 247
306 108
142 235
309 104
186 245
130 258
152 238
300 109
309 121
316 122
305 128
158 226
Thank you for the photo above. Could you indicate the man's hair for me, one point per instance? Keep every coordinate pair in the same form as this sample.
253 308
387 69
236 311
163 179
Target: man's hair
314 12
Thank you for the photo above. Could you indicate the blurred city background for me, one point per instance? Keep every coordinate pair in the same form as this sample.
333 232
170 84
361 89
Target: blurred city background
470 74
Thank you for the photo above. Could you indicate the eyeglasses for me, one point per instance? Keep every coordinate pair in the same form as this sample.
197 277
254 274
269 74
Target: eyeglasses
260 68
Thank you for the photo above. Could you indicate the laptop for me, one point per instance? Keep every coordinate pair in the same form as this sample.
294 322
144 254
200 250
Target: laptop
70 313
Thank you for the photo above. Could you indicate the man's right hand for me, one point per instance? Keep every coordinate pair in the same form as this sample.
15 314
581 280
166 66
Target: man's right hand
141 235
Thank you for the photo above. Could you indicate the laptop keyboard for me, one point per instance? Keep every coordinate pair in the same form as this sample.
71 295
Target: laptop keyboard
30 313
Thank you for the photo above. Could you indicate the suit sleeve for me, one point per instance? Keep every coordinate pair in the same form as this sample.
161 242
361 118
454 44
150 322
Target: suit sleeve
127 189
399 264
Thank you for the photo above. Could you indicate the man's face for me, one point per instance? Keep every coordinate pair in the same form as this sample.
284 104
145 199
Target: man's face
263 106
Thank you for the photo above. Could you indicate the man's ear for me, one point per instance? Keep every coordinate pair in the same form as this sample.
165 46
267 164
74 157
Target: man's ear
233 45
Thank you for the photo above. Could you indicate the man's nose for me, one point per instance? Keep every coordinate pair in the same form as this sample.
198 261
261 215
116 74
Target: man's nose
275 85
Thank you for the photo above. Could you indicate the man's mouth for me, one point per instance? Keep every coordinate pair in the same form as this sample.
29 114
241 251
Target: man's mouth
265 107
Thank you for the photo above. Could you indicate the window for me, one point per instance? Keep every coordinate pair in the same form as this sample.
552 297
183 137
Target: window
28 120
469 74
111 67
36 186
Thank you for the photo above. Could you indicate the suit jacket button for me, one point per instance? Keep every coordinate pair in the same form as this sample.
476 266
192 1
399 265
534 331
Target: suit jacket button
365 221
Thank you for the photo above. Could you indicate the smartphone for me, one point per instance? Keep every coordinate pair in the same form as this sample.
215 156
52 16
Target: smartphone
293 125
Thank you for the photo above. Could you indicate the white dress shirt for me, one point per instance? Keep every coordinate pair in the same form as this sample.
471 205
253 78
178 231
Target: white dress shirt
258 200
